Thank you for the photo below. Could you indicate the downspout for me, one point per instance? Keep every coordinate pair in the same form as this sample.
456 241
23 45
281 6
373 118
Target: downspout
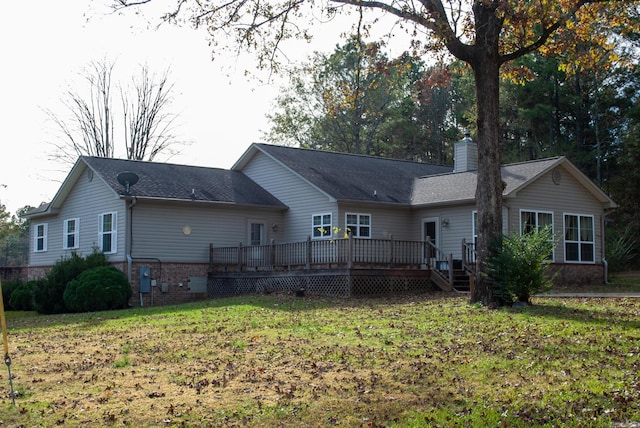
130 242
604 258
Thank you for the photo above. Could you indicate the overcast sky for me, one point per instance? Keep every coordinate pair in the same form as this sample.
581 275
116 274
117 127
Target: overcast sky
47 44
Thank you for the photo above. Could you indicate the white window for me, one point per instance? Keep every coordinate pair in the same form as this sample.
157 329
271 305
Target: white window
71 234
321 224
534 221
359 225
40 238
579 241
107 233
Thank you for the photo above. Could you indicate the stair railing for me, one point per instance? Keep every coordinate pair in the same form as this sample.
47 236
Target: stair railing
469 262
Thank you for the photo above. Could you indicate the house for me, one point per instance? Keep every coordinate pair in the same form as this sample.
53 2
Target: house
278 218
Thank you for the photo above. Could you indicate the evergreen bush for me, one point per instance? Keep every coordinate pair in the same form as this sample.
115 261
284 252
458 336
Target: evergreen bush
22 297
518 264
621 248
48 296
98 289
8 287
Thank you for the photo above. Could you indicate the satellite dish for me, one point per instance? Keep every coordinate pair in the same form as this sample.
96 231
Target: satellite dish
127 179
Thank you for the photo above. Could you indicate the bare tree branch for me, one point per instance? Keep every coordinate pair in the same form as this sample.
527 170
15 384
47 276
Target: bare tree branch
88 128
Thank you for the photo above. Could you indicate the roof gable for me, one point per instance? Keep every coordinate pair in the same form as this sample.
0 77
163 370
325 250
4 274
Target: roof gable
349 177
461 187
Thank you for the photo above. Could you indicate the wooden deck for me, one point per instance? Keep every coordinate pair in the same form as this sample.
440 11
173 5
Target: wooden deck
341 267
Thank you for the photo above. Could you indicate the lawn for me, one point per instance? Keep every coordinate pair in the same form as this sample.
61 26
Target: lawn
280 360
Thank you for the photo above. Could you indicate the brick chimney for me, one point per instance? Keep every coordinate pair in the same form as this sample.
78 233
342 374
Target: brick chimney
465 154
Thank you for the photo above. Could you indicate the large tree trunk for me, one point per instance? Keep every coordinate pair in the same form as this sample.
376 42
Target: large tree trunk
486 67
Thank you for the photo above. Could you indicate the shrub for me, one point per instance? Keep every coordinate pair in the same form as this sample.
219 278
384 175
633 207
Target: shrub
22 297
48 296
8 287
98 289
96 259
517 265
621 248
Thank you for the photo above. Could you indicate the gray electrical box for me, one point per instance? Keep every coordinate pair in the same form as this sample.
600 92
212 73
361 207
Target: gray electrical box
144 280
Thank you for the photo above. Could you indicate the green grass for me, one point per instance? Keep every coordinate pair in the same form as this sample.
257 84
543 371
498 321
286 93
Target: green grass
278 360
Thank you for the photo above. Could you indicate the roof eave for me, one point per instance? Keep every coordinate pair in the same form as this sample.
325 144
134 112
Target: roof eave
202 202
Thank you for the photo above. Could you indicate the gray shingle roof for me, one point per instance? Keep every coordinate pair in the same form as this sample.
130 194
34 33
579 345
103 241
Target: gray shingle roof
461 187
176 182
355 177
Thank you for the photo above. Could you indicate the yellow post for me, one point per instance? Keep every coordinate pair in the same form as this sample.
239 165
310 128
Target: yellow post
5 342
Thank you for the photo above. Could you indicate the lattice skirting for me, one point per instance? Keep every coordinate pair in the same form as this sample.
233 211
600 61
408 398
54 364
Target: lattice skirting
336 283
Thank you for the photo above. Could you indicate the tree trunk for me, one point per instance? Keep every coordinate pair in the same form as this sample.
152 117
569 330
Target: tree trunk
486 67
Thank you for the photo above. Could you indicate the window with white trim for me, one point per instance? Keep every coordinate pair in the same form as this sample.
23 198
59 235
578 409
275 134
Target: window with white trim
533 221
71 234
579 238
107 233
359 225
321 225
40 237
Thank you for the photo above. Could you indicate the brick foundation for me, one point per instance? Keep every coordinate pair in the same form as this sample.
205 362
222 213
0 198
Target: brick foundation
581 275
9 273
175 275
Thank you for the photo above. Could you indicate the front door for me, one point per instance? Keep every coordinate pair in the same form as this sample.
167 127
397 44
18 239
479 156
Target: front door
257 242
430 229
257 234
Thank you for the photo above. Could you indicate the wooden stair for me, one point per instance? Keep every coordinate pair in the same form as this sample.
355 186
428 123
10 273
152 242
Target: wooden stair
461 281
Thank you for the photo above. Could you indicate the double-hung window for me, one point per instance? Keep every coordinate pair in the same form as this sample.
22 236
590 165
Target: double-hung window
359 225
107 233
534 221
579 241
71 234
321 224
40 238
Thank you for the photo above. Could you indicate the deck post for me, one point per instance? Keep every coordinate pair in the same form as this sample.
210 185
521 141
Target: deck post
308 262
391 250
464 252
349 251
427 252
450 261
272 256
240 257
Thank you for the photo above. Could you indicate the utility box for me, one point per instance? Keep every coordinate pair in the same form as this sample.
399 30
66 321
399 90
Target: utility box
197 284
144 279
164 287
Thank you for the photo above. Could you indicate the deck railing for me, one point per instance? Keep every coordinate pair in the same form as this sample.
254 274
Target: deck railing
343 252
469 262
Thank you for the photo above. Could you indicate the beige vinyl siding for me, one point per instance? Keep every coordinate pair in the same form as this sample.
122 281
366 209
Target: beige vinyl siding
159 229
385 221
459 226
569 196
303 199
86 201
